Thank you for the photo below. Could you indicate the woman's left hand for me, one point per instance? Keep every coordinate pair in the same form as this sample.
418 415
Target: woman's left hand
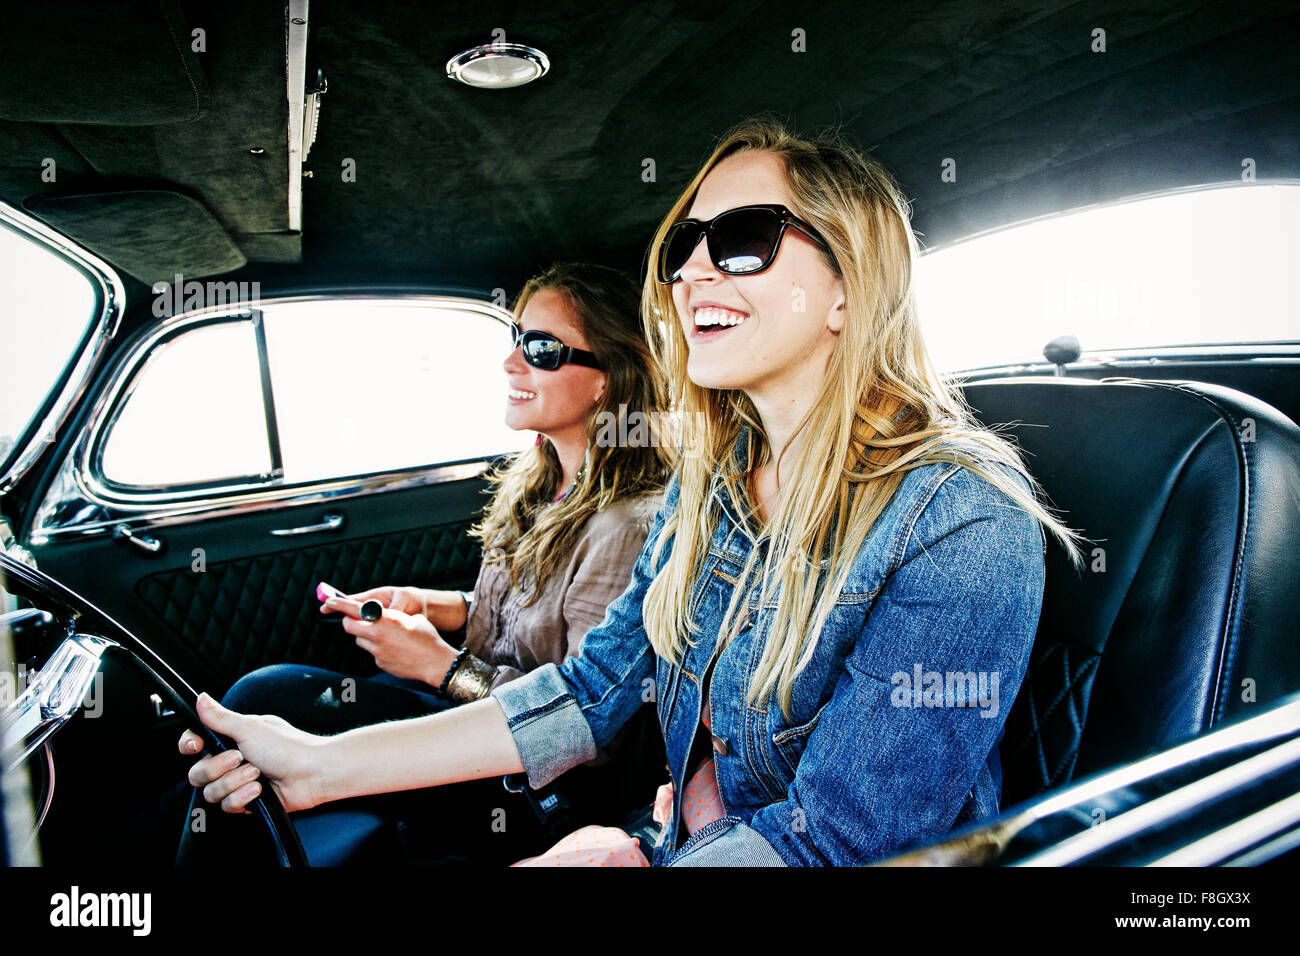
404 645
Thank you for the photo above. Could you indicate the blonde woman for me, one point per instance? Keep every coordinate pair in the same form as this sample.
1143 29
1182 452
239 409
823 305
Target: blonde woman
840 531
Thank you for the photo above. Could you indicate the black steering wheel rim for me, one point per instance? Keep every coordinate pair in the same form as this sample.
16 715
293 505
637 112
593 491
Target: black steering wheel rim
41 589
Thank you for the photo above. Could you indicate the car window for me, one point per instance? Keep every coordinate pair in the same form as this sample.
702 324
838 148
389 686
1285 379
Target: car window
1206 266
195 414
47 309
373 386
356 386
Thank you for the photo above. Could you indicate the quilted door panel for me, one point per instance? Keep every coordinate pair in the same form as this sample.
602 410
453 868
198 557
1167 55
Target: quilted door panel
243 614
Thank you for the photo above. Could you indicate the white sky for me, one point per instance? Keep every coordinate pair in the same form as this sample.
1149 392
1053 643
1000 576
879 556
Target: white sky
45 307
1209 266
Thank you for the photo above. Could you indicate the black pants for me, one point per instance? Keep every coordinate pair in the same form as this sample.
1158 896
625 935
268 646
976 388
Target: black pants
477 821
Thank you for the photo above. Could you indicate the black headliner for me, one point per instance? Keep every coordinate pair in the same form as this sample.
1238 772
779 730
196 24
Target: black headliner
479 188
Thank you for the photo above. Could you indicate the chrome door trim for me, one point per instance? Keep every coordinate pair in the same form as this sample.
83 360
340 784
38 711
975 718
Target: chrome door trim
159 507
333 521
1167 807
112 298
149 516
144 542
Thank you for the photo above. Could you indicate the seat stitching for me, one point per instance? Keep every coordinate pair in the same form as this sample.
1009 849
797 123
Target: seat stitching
1096 658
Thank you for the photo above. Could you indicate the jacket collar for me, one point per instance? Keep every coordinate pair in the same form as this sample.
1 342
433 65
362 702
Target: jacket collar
736 464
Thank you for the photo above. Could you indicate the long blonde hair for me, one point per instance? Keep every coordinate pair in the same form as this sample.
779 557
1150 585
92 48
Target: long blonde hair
531 540
882 411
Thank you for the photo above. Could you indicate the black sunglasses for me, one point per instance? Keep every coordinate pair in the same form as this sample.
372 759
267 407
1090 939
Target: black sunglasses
741 241
543 350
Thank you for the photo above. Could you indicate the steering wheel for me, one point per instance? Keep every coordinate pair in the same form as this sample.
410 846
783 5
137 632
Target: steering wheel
113 639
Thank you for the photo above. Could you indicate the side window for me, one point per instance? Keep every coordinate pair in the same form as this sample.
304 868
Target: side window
352 386
366 386
194 415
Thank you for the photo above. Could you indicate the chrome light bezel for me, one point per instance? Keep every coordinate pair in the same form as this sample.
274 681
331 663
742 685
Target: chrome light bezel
457 65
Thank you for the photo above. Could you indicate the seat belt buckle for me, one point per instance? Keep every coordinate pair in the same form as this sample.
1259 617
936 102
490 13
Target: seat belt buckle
549 804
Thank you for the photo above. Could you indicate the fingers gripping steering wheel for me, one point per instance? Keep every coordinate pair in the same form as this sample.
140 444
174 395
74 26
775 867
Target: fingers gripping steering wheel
85 619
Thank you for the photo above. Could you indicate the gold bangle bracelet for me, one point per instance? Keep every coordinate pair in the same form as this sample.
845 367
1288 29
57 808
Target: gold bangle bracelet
472 680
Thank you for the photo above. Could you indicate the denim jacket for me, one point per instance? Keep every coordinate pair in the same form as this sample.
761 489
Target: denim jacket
894 724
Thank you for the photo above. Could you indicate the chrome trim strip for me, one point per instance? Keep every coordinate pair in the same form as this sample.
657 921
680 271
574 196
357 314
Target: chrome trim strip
296 78
987 842
1163 809
1279 722
231 505
162 507
1244 834
1267 851
112 297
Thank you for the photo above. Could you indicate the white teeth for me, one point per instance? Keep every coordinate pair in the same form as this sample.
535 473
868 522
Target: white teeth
715 316
516 393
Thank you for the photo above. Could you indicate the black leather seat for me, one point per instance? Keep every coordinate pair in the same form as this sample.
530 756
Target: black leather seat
1187 614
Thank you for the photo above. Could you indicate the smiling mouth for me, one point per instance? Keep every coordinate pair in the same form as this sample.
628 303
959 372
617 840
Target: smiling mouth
712 320
519 395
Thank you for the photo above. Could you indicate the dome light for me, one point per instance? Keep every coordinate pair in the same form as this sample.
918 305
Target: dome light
498 66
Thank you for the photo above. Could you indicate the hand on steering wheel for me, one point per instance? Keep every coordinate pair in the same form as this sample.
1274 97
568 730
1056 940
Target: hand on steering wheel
270 749
46 593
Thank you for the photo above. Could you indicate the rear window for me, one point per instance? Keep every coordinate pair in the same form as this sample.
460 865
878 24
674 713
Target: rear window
1198 267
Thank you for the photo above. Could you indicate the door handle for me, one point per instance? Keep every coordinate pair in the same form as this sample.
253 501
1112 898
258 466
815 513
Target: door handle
332 522
144 542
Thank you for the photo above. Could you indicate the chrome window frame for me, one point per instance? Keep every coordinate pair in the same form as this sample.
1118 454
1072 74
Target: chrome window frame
151 508
111 300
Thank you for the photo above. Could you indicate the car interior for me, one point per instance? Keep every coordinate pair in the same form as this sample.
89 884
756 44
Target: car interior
323 152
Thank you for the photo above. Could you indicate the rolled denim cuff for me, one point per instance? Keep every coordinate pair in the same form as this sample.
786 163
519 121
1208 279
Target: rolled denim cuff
727 842
548 726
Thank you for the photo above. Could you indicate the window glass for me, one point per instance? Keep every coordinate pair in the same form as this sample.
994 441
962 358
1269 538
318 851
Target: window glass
195 414
47 306
1209 266
366 386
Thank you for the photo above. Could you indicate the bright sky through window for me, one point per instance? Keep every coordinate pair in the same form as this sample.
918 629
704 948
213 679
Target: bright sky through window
1189 268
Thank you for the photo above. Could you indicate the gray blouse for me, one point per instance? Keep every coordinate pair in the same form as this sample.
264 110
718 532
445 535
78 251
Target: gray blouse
518 639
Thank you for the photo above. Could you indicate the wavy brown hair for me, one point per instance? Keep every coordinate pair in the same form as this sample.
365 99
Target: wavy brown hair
521 528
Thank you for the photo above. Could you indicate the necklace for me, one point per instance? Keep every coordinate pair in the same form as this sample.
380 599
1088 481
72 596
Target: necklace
573 484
